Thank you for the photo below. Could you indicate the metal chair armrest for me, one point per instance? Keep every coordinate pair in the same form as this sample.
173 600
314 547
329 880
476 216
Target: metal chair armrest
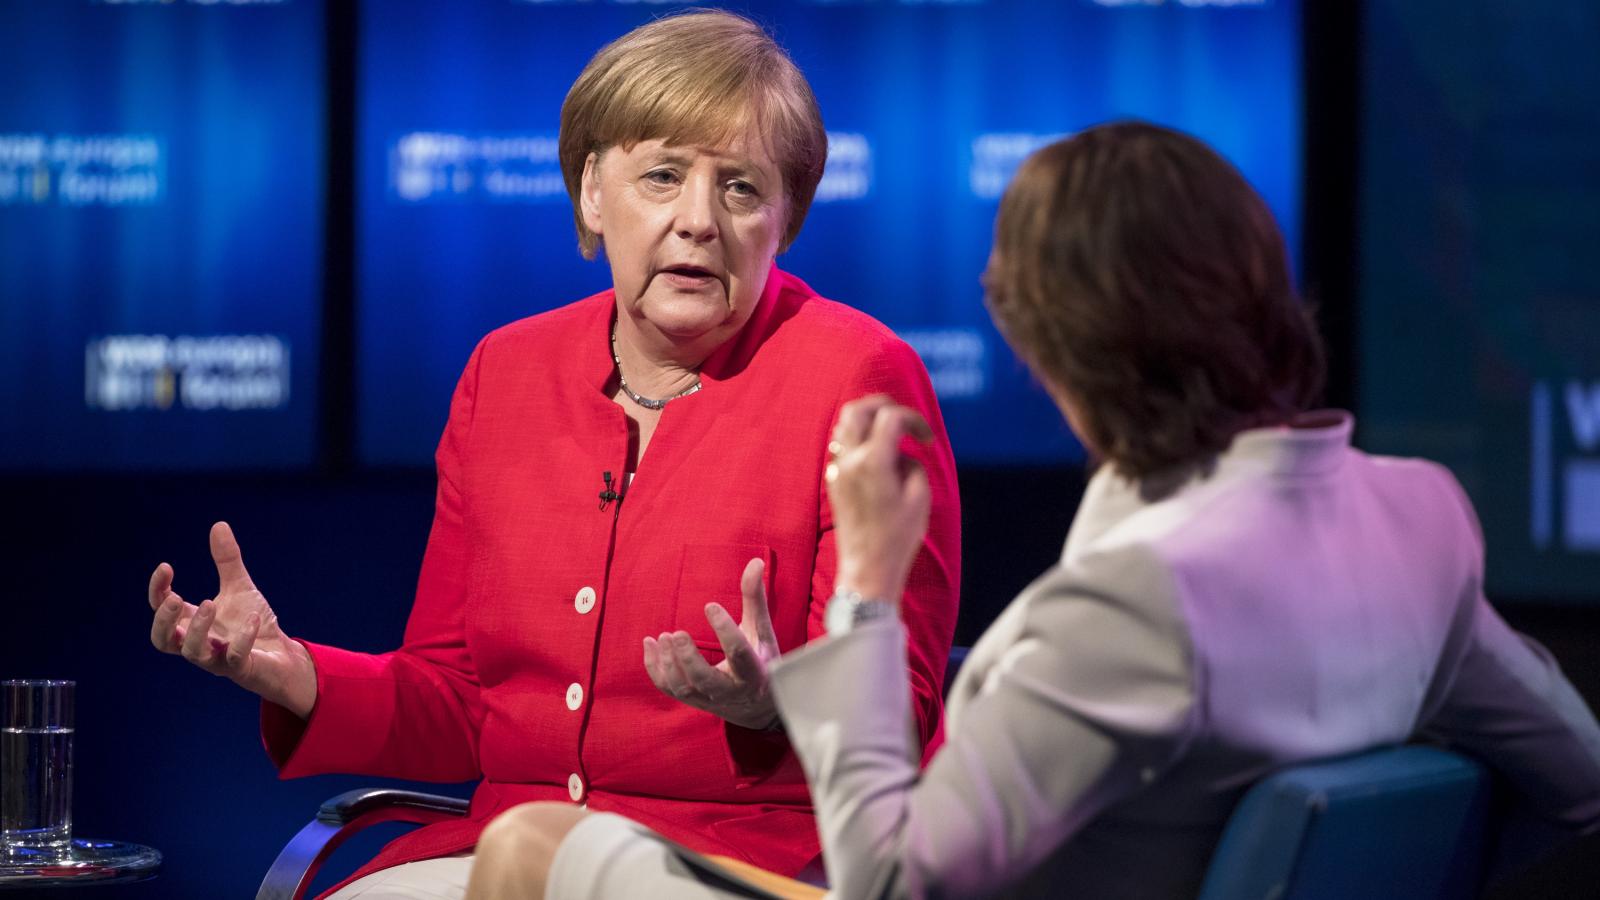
340 817
390 805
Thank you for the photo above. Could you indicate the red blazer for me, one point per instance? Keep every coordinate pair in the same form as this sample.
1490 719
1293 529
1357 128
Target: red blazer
522 663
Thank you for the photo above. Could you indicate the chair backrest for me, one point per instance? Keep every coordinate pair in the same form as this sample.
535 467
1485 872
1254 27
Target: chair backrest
1400 822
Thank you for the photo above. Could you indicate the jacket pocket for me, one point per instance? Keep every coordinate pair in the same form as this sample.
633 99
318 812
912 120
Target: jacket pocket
710 573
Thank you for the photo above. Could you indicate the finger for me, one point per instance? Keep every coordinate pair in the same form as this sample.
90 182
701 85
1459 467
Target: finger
164 627
757 617
915 425
196 644
652 665
890 424
160 584
918 494
742 659
855 418
230 564
701 677
238 652
918 486
677 683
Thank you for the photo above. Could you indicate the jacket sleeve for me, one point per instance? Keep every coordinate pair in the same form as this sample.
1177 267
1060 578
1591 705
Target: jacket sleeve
929 604
413 713
1091 699
932 590
1501 696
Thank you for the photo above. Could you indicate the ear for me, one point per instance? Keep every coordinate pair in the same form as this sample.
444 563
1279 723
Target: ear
589 194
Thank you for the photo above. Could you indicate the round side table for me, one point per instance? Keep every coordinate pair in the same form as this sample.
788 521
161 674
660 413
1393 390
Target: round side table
89 862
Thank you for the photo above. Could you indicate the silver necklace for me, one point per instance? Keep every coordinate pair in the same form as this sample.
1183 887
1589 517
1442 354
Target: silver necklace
646 402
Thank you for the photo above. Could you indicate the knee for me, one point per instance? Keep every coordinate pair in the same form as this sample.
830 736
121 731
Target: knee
529 828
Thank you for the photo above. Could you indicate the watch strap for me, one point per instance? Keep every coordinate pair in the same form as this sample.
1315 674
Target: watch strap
848 610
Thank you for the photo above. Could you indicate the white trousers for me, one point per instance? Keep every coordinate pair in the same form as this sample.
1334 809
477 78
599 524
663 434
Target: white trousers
604 857
426 879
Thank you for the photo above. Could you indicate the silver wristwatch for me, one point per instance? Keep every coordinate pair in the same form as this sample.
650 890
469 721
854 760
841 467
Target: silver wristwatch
848 610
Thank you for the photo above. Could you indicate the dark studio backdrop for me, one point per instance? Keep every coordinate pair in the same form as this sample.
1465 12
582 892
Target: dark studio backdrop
245 248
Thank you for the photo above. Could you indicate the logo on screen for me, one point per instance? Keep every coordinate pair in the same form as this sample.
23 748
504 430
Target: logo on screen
1568 470
956 359
80 170
440 166
212 372
996 156
848 173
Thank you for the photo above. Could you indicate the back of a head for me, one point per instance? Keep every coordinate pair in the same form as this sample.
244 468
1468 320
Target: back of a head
1136 270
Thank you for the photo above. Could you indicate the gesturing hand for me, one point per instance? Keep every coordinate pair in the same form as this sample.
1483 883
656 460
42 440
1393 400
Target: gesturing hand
235 634
880 496
736 688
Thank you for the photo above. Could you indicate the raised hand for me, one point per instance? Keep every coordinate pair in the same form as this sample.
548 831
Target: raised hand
235 634
880 496
736 688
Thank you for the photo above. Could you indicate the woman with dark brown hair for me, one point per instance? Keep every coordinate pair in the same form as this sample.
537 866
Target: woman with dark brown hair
1240 588
1137 270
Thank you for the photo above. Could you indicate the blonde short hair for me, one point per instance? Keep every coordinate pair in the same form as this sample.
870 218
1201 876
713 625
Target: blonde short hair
703 77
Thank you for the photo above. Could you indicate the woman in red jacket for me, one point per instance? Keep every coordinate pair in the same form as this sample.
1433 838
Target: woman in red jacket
608 470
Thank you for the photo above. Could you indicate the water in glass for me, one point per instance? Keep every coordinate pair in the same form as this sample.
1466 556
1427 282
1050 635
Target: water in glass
36 733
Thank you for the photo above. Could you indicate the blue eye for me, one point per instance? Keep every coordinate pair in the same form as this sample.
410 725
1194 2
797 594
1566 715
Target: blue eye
743 189
660 176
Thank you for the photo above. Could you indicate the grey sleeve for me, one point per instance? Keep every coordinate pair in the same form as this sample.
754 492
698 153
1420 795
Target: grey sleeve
1506 702
1501 696
1089 702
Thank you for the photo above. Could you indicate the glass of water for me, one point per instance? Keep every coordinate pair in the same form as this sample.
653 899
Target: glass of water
36 767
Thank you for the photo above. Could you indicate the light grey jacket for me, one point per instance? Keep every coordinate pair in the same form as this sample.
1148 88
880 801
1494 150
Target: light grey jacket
1301 600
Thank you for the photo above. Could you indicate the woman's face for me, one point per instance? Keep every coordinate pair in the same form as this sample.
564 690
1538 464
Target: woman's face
690 232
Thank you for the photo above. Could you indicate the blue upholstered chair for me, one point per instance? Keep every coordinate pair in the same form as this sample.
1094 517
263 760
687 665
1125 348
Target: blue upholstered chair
1401 822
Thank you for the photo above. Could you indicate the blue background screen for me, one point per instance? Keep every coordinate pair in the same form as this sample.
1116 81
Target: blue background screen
161 201
464 225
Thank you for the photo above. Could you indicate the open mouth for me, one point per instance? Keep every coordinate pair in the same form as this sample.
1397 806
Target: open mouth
689 276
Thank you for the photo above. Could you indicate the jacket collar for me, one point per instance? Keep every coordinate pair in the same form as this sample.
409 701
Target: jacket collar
1313 444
